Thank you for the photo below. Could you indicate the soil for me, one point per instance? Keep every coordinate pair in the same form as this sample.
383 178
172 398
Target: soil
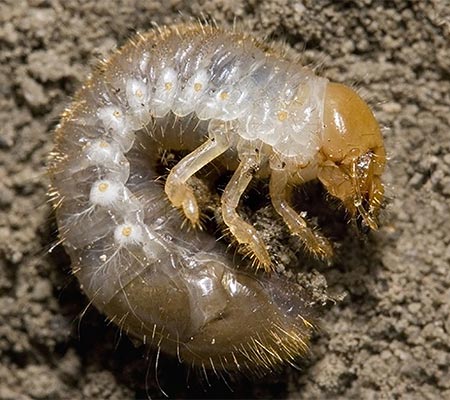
389 338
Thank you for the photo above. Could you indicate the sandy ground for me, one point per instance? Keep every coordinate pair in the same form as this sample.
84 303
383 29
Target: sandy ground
389 338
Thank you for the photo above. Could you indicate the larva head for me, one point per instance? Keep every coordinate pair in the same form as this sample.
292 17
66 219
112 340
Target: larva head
354 155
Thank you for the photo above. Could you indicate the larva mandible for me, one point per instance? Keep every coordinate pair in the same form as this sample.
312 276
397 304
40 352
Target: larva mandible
217 95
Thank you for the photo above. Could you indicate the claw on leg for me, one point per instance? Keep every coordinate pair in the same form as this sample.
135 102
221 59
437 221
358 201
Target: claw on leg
243 232
183 197
176 188
279 194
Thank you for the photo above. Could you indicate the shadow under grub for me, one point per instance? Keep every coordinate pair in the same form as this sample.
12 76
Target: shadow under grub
158 376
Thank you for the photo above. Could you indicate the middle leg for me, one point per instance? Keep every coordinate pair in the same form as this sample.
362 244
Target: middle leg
243 232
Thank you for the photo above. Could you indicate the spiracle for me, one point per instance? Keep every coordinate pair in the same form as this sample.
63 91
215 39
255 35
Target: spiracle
215 96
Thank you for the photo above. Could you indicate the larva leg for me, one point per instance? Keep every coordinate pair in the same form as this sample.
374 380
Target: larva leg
241 230
279 194
178 192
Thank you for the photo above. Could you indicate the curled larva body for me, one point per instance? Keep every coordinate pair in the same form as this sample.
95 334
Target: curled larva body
218 95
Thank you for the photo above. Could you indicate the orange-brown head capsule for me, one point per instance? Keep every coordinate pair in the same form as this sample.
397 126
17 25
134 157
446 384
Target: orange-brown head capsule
353 154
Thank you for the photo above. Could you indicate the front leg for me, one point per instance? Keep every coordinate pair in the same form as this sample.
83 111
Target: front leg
176 188
279 193
243 232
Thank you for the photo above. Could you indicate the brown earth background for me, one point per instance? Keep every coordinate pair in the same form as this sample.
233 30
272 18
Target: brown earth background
390 336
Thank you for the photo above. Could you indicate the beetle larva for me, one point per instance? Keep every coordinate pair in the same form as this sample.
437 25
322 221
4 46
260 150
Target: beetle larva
237 100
